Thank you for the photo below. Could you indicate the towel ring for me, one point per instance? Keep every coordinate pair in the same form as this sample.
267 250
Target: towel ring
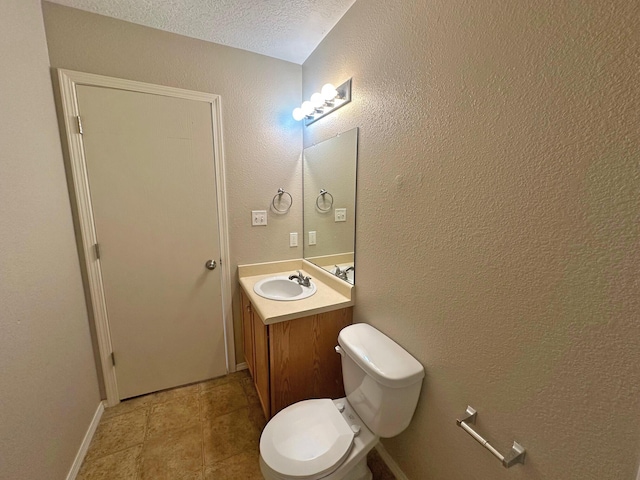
278 195
323 192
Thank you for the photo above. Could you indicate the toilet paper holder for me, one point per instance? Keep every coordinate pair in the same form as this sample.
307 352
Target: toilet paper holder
517 453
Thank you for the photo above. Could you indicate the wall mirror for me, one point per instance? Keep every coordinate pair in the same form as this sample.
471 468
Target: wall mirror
329 188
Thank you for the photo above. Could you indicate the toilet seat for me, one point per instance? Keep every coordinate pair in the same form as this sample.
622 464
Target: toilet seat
307 440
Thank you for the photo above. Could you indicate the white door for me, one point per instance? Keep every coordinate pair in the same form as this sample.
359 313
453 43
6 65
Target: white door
152 183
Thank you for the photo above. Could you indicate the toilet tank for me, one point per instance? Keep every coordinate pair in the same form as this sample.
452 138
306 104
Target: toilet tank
381 379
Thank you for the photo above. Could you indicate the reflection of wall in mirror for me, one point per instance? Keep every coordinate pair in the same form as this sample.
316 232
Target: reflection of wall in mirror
330 165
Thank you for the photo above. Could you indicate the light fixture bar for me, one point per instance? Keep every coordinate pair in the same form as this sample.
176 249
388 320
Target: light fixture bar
343 97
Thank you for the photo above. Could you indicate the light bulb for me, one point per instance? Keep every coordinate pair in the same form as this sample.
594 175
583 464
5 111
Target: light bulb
329 92
307 108
317 100
297 114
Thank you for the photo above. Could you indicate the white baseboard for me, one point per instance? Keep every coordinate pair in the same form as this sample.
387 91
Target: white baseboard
241 366
86 441
393 466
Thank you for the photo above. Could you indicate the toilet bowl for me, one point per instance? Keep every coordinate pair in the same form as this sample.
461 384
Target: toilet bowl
316 439
329 439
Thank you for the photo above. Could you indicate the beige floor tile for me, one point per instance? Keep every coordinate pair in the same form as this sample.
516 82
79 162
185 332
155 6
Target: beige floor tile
250 391
118 433
256 416
229 435
174 456
122 465
243 466
222 399
215 382
173 393
127 406
172 415
378 467
182 475
241 374
172 434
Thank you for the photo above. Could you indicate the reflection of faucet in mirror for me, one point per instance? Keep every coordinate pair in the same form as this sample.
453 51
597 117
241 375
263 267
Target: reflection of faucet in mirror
329 218
343 274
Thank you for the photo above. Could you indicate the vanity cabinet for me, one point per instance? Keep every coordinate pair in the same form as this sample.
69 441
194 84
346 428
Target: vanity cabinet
261 375
247 333
296 359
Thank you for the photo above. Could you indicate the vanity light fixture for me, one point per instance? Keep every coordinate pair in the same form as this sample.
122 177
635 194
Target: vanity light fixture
330 98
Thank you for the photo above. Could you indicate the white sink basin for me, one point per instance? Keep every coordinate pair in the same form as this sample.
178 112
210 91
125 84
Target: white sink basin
281 288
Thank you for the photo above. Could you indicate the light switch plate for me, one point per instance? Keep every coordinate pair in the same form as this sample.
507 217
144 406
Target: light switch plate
258 217
341 214
312 238
293 239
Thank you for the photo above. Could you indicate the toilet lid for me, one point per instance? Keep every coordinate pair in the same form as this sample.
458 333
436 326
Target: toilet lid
308 439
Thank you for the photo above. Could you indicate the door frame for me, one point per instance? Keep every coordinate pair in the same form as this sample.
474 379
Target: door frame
83 211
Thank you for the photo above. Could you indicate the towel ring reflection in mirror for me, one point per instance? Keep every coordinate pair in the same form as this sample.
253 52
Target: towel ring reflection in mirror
281 192
324 208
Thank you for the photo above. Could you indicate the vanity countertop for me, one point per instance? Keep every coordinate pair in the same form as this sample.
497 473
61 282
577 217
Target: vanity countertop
331 294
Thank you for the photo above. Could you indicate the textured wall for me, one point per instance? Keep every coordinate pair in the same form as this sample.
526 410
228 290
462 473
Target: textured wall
498 223
261 140
49 390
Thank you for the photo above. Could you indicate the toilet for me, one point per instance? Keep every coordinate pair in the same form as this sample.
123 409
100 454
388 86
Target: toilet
329 439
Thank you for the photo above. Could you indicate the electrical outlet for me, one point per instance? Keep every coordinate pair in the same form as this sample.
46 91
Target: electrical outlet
293 239
312 238
258 217
341 214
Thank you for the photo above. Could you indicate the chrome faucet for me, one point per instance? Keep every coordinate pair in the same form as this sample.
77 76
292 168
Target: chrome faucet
302 280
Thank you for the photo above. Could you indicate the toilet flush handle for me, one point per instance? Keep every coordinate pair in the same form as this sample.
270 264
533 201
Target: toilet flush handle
339 350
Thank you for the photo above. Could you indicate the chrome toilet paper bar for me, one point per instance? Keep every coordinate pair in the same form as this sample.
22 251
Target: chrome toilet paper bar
517 453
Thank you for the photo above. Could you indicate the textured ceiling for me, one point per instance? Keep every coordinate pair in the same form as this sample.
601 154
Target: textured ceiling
285 29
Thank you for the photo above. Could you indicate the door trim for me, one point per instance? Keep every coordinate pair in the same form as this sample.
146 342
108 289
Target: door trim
81 203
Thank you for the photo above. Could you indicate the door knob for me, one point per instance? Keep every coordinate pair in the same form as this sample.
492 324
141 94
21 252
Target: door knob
211 264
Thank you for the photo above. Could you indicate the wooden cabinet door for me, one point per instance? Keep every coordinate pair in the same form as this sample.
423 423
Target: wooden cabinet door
247 333
261 374
304 363
328 376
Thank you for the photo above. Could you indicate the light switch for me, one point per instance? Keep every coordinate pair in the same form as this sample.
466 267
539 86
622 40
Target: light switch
258 217
293 239
312 238
341 214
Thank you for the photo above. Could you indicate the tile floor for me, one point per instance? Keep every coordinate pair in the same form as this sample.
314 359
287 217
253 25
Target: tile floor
206 431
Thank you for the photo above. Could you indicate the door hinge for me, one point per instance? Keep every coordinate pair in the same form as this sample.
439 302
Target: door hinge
80 130
97 249
113 359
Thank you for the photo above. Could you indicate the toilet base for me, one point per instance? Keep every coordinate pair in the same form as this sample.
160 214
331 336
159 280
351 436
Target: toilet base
360 471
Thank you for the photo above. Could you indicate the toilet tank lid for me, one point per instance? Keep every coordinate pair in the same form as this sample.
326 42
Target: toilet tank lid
379 356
